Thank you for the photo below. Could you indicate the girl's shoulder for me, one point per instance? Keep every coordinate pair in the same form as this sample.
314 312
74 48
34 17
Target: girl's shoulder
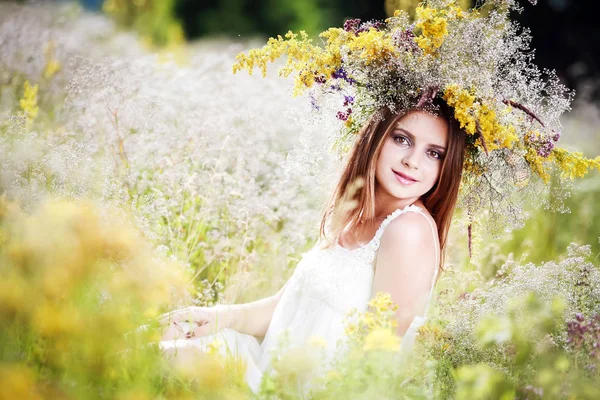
415 226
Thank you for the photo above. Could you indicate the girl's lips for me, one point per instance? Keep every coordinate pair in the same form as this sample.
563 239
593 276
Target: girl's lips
404 179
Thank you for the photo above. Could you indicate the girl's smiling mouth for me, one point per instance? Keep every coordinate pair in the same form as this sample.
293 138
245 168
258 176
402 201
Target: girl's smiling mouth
404 179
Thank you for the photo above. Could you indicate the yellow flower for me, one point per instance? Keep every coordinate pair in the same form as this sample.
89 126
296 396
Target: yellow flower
536 163
462 102
434 29
382 339
333 375
214 346
480 117
29 101
317 341
573 164
382 301
372 45
52 65
310 61
18 382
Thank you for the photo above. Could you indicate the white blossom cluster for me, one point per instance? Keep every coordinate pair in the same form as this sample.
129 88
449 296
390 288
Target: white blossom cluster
218 169
576 280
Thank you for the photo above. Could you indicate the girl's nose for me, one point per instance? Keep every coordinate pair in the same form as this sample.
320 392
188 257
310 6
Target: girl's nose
411 160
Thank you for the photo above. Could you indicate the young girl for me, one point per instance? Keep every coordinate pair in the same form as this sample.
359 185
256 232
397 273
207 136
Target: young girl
442 66
393 242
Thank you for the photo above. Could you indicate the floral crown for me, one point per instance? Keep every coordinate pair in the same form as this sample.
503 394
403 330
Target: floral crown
477 61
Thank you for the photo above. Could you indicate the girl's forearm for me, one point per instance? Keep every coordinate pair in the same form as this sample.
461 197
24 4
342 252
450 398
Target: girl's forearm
250 318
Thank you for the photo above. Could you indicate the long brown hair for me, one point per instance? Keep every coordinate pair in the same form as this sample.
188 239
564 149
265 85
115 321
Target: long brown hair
440 200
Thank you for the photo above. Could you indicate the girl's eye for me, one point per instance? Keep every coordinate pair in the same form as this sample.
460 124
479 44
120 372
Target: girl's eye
435 154
401 139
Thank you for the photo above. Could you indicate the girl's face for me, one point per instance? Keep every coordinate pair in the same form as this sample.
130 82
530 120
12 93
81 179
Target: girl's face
412 155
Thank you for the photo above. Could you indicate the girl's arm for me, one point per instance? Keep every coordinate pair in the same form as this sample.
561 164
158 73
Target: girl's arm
405 266
252 318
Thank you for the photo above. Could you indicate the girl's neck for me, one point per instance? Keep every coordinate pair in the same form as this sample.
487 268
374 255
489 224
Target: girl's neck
385 204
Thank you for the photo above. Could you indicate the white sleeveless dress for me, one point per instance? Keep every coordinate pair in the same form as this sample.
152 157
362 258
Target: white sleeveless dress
325 286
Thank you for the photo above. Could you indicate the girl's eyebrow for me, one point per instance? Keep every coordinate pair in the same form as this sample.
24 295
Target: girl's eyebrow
411 136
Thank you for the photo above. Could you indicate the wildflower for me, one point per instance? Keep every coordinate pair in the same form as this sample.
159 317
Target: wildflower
463 102
344 115
382 339
573 164
351 25
317 341
18 382
373 46
434 28
52 65
29 101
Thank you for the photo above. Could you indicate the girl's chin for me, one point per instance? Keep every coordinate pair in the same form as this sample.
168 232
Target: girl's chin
402 193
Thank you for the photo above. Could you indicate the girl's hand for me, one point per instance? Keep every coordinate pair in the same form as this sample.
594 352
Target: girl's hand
190 322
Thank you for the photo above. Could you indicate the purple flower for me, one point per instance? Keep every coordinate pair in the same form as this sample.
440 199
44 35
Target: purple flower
351 25
378 25
341 73
556 136
348 100
320 79
313 102
342 116
406 40
545 148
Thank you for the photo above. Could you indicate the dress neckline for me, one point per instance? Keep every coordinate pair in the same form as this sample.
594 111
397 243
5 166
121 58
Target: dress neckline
382 226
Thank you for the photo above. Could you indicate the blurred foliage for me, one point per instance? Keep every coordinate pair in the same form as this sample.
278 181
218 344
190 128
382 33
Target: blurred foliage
272 17
411 5
546 234
244 17
154 20
73 285
513 353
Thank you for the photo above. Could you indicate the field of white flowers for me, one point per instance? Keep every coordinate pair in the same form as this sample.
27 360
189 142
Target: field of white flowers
133 182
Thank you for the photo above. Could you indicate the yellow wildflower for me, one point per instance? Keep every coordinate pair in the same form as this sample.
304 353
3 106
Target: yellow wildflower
573 164
52 65
382 339
29 101
214 346
462 102
475 116
317 341
372 45
333 375
382 302
495 135
311 61
536 163
18 382
434 29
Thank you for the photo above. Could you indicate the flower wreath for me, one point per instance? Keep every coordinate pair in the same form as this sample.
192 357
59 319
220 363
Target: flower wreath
477 61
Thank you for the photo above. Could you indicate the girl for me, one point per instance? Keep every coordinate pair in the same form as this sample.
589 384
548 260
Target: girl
393 241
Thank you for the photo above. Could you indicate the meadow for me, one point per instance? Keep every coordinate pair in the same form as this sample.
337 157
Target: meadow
136 181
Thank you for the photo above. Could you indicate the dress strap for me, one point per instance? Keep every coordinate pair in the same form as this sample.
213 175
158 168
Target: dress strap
389 219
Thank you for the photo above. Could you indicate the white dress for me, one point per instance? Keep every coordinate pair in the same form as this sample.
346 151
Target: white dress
325 286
